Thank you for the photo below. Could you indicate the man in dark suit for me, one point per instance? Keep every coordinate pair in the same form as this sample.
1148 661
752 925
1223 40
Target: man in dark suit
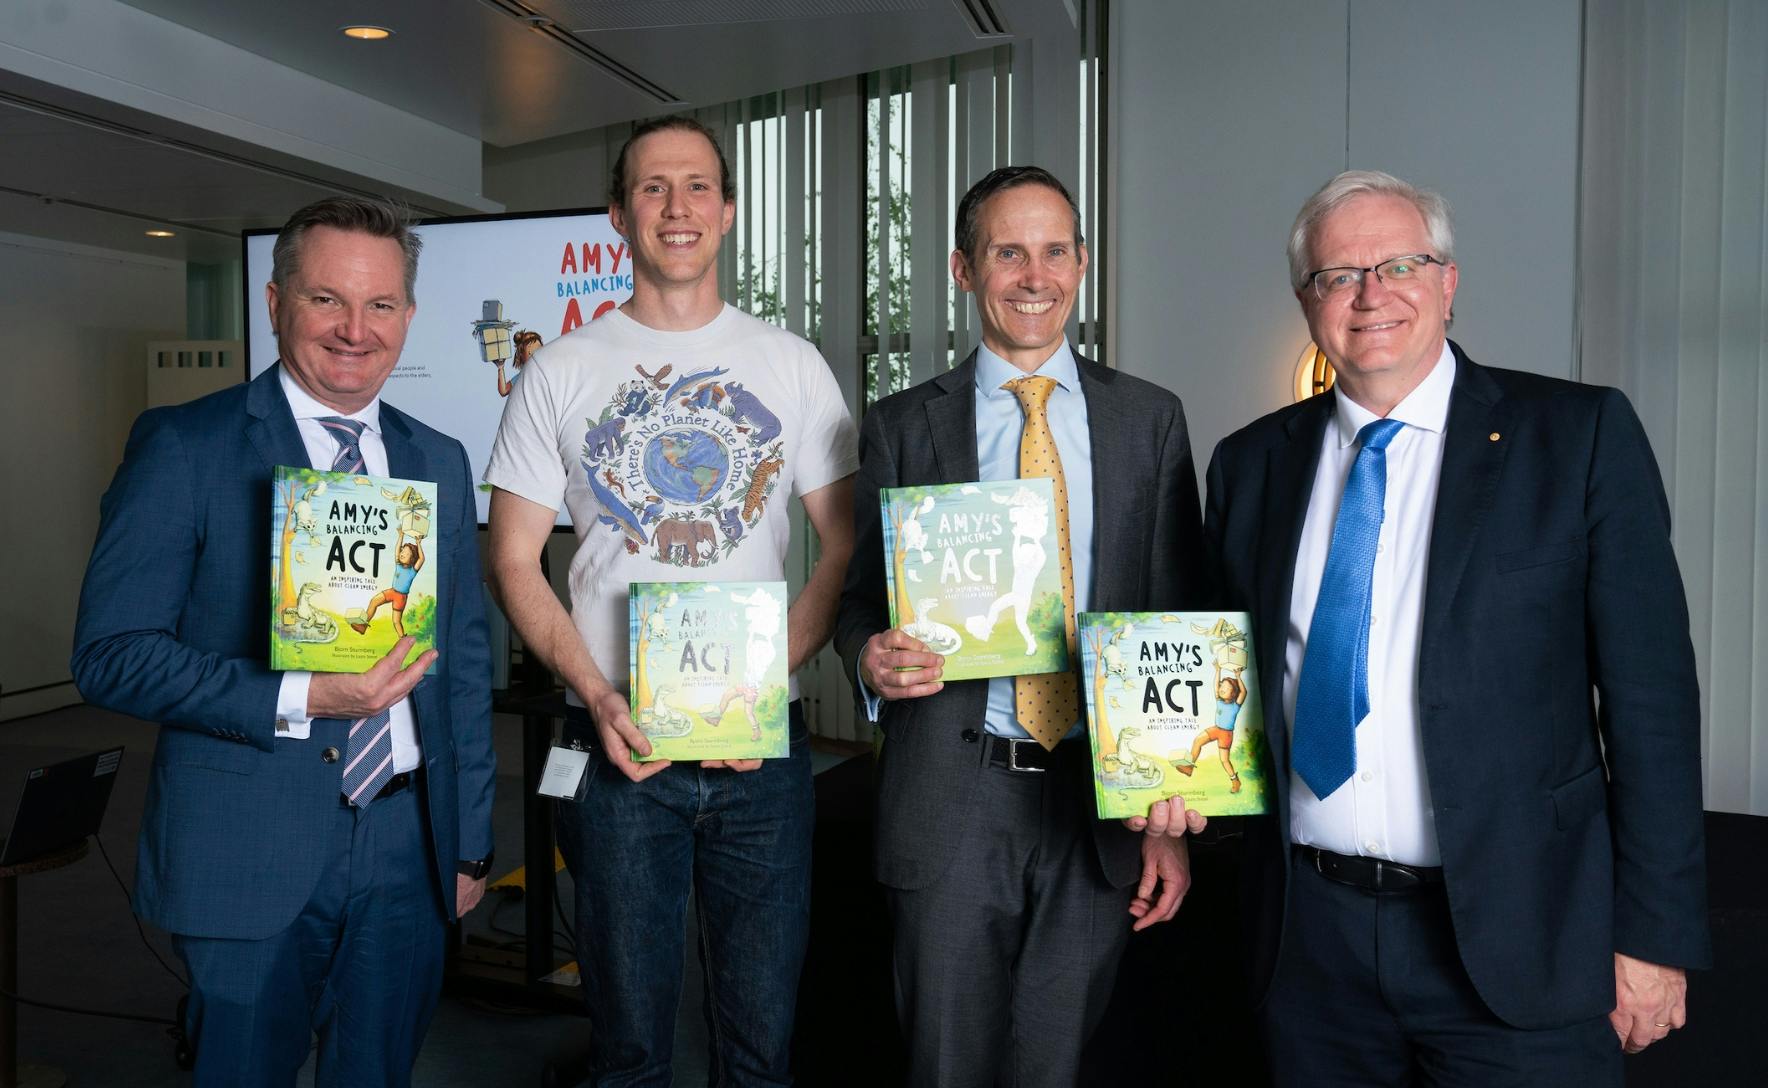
1486 863
1011 902
295 908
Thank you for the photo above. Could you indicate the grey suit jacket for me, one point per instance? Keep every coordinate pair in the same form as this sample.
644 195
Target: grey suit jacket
1147 555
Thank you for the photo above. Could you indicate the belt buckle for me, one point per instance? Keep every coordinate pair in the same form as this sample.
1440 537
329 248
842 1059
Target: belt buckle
1013 744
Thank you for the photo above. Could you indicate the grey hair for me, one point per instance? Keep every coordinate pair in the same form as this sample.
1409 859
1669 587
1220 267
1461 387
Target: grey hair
1354 183
379 218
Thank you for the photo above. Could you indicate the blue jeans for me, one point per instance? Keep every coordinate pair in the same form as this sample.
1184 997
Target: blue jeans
741 842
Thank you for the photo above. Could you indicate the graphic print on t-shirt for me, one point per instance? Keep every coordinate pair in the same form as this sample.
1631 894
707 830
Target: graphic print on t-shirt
683 464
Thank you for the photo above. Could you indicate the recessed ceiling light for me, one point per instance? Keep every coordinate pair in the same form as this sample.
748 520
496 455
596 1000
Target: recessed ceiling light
160 234
366 33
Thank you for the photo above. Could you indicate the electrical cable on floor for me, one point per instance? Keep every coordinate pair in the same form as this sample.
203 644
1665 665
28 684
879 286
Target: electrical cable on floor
570 933
118 877
137 1018
52 1006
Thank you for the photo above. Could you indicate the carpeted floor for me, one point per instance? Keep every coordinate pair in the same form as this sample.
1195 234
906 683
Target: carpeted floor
79 946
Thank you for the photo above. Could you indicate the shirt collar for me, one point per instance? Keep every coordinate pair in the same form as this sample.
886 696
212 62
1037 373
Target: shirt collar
1426 407
992 371
304 406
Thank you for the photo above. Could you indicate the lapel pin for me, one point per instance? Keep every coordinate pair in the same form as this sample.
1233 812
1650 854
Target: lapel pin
1493 436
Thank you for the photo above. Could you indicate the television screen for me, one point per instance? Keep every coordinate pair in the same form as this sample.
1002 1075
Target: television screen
490 290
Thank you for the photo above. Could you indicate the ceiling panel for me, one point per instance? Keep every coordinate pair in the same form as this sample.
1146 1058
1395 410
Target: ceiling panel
477 67
582 16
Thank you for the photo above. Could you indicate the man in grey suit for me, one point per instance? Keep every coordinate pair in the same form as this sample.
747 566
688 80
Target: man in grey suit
1011 901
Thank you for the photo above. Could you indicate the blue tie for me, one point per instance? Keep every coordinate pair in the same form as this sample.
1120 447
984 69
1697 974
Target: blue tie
348 434
1333 694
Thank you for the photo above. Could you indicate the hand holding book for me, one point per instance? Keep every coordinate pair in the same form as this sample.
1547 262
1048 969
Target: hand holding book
617 734
897 665
365 694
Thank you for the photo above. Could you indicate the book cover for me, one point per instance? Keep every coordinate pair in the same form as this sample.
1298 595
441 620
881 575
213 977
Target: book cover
973 571
351 569
707 668
1172 701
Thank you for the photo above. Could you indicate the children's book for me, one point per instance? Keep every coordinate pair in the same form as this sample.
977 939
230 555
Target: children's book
350 569
974 572
1172 702
708 669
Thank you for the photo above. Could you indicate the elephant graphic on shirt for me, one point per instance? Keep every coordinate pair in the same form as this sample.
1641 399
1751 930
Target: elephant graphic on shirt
684 542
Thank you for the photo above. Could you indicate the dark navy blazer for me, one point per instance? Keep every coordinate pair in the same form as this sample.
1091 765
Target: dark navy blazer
174 627
1570 828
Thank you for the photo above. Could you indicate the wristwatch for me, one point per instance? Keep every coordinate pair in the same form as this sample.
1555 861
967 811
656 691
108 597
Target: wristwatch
476 870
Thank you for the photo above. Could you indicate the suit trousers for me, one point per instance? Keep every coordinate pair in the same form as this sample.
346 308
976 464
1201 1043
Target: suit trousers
1004 965
361 965
1369 991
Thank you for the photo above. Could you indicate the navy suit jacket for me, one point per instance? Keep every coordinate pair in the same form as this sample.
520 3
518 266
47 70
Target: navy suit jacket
174 627
1570 827
1146 557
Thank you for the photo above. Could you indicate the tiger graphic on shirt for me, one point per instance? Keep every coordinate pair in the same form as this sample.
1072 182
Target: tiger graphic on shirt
683 464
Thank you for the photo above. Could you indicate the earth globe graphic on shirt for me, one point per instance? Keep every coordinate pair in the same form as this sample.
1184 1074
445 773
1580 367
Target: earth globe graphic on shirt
686 466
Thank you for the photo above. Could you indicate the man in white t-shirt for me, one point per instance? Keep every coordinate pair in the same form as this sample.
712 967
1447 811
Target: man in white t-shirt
674 428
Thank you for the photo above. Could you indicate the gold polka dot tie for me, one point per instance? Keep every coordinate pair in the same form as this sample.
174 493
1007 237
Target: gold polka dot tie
1047 704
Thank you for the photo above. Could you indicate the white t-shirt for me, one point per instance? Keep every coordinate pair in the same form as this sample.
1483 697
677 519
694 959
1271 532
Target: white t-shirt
674 452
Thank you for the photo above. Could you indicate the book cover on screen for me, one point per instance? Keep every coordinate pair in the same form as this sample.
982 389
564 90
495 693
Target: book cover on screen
707 668
1172 701
973 571
351 569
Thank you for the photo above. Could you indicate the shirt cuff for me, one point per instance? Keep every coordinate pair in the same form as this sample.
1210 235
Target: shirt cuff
291 706
873 702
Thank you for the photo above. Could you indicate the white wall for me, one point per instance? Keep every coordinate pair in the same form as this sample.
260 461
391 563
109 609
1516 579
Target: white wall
1225 117
77 323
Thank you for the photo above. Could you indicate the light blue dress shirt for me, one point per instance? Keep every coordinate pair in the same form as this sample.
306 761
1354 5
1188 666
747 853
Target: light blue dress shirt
1000 422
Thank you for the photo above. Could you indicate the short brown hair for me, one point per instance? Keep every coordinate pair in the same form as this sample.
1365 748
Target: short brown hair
1000 180
727 185
366 215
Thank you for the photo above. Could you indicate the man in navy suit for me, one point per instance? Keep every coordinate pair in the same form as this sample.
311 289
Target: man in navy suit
297 909
1486 862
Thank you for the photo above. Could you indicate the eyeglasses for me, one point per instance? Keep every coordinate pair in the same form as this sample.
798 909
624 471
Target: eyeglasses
1395 271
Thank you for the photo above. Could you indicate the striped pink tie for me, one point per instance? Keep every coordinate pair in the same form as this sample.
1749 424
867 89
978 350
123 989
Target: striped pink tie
368 758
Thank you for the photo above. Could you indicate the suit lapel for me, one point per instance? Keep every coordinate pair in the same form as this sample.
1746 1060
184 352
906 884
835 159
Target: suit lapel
272 430
1289 482
1115 439
1472 461
951 422
405 459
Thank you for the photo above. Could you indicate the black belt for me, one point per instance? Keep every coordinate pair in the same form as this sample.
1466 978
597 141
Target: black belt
396 784
1020 754
1370 874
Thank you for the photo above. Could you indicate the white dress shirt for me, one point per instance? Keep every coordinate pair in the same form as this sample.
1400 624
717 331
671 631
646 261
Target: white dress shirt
1384 810
322 449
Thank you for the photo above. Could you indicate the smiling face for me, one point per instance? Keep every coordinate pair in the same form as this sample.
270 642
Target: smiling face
1382 339
1025 273
673 214
340 318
